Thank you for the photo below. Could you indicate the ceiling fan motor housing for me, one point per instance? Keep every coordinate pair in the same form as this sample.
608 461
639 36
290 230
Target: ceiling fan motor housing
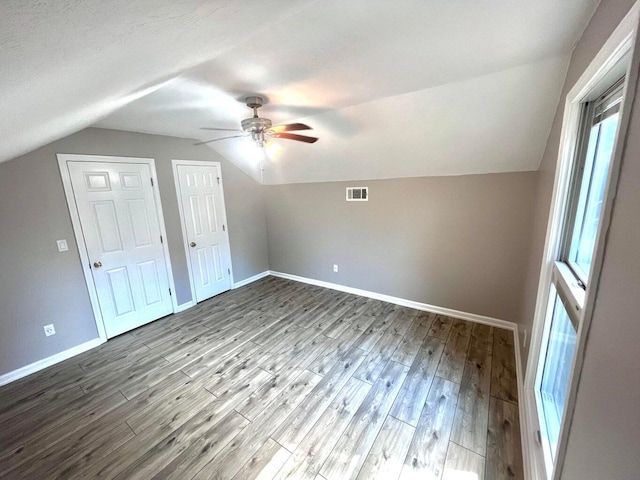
256 124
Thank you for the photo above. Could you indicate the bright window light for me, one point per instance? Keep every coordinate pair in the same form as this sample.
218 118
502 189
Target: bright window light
557 372
594 181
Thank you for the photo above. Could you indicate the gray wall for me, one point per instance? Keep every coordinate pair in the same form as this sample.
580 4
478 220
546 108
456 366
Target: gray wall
456 242
604 438
39 285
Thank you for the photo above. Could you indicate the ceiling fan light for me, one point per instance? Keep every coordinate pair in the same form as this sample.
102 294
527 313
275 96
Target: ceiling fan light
250 151
258 137
273 149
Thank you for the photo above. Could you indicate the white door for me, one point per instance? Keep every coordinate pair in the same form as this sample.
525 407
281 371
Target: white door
120 225
204 221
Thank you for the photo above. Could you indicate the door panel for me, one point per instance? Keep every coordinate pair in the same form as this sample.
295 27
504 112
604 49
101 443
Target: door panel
217 263
120 225
139 223
150 281
194 209
120 291
105 220
203 266
212 220
201 199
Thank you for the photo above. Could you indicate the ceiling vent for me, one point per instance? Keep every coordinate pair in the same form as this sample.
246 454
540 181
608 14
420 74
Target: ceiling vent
357 194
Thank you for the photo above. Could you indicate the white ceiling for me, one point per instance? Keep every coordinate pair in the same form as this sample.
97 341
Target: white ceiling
392 88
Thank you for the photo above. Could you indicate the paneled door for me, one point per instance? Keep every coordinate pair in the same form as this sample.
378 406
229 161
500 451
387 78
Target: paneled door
120 224
204 226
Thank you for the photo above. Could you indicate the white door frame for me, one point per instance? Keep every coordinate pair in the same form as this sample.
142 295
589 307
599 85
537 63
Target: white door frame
185 240
63 158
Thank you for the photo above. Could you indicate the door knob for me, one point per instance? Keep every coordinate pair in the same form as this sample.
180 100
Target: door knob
97 264
193 244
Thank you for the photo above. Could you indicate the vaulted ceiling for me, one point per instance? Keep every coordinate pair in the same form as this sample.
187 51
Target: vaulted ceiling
392 88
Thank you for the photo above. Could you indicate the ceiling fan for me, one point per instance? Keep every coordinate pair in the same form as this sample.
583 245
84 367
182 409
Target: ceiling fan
261 129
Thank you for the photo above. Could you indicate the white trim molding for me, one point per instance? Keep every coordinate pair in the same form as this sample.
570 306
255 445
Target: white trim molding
473 317
83 347
252 279
185 306
620 46
47 362
495 322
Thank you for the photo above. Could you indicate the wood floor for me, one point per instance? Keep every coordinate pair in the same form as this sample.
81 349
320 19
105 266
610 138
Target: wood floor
276 380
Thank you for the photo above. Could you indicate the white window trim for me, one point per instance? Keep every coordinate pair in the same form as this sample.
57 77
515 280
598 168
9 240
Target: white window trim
622 42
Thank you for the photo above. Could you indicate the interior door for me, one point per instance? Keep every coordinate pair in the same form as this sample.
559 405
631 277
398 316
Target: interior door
203 213
120 225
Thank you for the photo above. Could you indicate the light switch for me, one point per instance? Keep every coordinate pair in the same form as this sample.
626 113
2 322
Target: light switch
62 245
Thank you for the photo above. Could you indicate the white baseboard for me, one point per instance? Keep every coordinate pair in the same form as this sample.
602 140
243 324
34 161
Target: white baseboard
494 322
44 363
185 306
526 436
249 280
47 362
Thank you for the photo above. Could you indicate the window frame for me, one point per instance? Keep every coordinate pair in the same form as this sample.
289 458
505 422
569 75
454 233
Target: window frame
619 49
587 121
574 188
572 289
555 297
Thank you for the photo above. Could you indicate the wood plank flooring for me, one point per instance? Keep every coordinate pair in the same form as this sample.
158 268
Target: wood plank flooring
275 380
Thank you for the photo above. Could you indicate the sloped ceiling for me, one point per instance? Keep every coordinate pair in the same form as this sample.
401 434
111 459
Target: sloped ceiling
392 88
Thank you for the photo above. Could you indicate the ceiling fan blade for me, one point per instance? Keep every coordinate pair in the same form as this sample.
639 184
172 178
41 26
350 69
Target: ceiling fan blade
289 127
293 136
221 129
216 139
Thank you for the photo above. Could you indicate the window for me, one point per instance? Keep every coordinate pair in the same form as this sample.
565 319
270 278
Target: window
599 131
561 344
596 139
595 120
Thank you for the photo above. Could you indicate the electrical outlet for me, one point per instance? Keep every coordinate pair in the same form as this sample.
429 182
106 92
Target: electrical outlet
335 268
62 245
49 330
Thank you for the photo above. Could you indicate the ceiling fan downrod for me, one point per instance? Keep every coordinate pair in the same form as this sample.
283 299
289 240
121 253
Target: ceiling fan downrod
254 102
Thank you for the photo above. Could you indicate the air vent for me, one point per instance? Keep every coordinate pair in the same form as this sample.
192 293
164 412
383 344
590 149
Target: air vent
357 194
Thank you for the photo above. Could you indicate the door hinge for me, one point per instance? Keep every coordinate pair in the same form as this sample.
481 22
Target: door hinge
218 178
161 240
224 229
538 436
170 292
152 181
229 271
